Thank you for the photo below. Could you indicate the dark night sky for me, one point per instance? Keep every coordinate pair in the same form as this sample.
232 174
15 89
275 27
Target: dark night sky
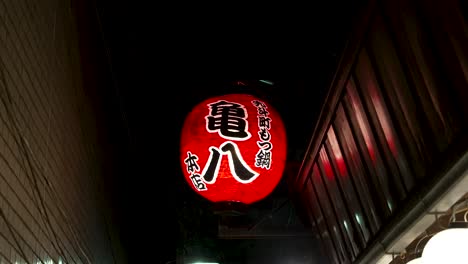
159 61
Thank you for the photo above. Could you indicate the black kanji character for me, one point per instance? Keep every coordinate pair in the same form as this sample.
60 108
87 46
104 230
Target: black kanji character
191 162
265 145
212 168
198 183
264 122
264 134
241 171
229 120
263 159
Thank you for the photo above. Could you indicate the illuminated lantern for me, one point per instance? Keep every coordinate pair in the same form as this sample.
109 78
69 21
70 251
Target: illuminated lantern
233 148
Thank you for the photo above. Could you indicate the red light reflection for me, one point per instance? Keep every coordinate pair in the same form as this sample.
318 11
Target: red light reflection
337 155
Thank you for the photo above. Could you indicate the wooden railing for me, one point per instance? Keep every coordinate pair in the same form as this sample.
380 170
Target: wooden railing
393 122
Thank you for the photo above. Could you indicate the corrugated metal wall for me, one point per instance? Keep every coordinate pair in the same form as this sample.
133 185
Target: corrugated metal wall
48 167
397 117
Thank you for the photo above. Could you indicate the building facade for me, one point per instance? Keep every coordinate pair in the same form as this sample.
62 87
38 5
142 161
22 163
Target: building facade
391 131
51 208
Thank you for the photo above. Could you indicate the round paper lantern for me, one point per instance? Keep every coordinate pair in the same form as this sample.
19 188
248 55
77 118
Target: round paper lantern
233 148
447 246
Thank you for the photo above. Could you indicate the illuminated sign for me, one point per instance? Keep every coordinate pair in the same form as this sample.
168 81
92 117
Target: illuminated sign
233 148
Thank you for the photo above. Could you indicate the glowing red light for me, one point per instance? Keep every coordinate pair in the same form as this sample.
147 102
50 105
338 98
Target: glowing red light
233 149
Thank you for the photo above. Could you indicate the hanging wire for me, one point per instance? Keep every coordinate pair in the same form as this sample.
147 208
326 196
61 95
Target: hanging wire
459 208
29 155
13 234
9 114
3 257
7 102
426 235
22 144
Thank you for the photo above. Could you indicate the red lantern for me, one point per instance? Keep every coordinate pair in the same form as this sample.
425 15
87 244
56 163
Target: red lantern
233 148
